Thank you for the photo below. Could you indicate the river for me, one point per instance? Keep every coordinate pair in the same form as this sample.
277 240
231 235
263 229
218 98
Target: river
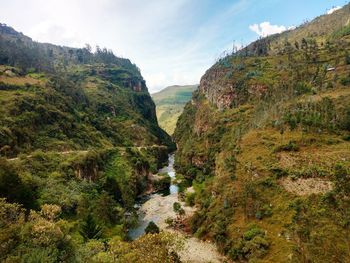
165 197
159 206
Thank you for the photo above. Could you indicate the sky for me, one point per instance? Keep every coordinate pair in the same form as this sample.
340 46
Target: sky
173 42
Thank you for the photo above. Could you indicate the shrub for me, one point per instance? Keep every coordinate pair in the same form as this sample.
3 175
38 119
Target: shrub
347 58
302 88
345 81
13 188
253 244
89 229
264 211
169 221
290 147
189 200
152 228
346 138
342 180
163 182
347 120
176 207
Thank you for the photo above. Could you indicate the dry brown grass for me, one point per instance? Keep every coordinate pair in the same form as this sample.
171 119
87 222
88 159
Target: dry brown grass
307 186
20 81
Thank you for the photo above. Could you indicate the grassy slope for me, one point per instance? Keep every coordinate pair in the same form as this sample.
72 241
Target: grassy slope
79 100
75 121
290 120
170 103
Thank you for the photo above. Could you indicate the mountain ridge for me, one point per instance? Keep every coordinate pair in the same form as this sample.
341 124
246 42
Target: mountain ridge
265 142
169 104
66 73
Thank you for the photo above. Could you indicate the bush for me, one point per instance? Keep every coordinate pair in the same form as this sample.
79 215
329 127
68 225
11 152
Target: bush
189 199
302 88
89 229
347 58
152 228
279 172
253 244
169 221
163 182
290 147
13 188
345 81
263 212
176 207
347 121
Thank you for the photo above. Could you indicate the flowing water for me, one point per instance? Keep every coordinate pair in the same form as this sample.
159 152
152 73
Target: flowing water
158 207
165 197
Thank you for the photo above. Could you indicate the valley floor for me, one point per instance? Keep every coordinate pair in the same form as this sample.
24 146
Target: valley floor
159 208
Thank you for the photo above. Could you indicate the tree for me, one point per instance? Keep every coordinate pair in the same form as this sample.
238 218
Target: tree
176 207
296 44
152 228
107 210
89 229
156 248
347 58
342 180
13 188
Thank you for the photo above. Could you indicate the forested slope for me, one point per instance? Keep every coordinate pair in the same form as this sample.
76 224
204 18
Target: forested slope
79 140
265 143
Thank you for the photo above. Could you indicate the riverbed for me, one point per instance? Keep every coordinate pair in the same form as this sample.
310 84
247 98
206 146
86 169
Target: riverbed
159 207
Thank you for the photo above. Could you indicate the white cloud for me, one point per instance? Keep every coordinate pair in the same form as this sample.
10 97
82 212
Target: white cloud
170 41
265 28
51 32
333 9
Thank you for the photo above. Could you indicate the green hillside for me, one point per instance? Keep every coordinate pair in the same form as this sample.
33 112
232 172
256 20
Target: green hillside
265 144
78 140
170 103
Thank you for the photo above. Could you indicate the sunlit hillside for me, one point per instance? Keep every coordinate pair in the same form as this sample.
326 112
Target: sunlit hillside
170 103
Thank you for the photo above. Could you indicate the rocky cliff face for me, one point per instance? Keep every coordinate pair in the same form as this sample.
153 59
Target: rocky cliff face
224 92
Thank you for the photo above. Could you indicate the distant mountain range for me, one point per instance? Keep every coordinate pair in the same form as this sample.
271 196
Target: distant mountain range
170 103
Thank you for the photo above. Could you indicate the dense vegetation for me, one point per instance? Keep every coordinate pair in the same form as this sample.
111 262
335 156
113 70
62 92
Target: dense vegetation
170 103
81 100
265 143
78 140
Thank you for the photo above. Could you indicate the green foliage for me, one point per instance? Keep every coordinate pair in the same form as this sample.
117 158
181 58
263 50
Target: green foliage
162 183
345 81
39 238
342 180
151 248
90 229
253 244
344 31
91 101
347 58
152 228
292 146
275 110
176 207
347 120
302 88
322 114
13 188
190 199
170 103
